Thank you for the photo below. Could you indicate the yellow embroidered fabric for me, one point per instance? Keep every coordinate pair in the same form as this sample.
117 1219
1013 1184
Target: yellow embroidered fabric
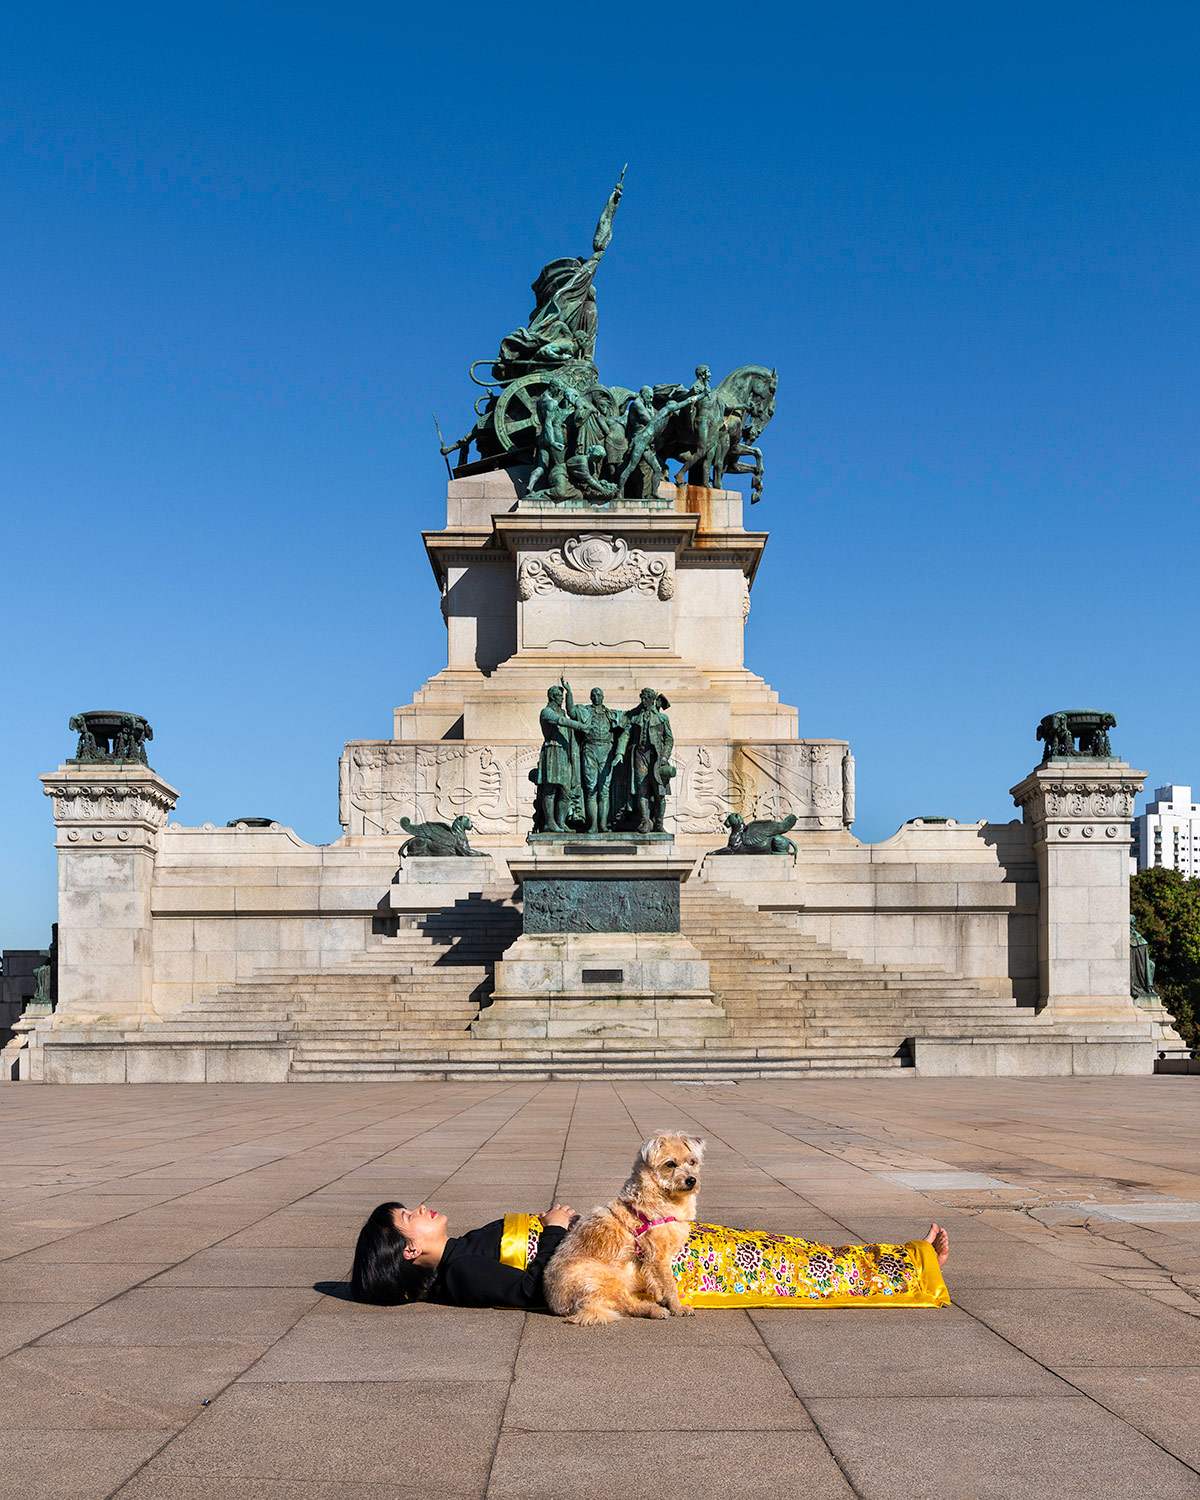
721 1267
519 1240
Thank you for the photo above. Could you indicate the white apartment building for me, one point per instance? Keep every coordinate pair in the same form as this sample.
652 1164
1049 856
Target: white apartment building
1168 832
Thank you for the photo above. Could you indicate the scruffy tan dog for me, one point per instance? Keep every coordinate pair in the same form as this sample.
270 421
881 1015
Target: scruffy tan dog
616 1261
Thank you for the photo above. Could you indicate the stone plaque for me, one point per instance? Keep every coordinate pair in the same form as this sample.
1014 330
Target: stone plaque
555 904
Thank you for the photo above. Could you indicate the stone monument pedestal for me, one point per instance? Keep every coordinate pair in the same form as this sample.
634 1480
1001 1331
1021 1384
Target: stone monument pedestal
1079 811
427 883
580 972
109 816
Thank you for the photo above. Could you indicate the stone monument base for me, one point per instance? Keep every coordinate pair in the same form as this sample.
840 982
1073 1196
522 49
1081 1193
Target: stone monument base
601 955
427 883
598 985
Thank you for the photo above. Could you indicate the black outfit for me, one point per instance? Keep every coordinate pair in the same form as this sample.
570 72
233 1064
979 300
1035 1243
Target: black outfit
470 1273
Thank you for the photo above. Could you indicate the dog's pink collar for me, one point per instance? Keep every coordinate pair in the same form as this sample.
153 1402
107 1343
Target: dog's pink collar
645 1225
648 1223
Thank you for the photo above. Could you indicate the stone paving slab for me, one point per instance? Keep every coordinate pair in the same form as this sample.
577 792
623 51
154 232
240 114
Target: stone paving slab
440 1343
997 1448
1164 1403
164 1247
88 1389
695 1466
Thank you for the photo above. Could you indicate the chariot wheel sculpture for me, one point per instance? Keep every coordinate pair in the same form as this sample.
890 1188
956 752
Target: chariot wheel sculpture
515 418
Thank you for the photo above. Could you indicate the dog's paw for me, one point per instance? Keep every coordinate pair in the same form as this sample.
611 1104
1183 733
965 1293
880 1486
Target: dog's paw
686 1312
591 1317
655 1311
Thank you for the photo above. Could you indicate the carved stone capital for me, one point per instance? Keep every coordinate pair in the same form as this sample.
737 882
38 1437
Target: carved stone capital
108 806
1067 799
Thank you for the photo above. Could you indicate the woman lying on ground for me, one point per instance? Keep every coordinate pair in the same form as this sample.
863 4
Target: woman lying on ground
407 1255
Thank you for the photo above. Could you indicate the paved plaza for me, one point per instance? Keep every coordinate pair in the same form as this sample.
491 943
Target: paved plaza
175 1324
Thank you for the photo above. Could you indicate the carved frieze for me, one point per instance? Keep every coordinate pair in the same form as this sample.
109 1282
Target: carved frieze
437 781
761 780
595 564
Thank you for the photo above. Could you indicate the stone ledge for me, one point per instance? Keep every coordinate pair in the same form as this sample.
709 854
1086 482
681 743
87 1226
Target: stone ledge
1041 1057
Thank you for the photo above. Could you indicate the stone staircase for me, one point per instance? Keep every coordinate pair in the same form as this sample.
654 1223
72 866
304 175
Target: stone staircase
784 990
413 993
403 1009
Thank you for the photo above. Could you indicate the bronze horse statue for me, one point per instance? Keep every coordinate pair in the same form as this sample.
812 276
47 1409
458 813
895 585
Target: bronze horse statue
711 437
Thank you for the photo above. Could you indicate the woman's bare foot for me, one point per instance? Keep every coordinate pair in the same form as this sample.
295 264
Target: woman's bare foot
940 1240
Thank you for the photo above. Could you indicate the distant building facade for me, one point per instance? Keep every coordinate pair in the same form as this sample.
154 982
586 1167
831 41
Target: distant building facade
1167 834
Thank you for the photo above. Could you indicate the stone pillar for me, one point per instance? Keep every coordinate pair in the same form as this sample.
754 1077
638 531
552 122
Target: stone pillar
108 817
1080 811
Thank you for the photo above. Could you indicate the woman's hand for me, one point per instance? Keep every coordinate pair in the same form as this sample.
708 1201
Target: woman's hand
559 1217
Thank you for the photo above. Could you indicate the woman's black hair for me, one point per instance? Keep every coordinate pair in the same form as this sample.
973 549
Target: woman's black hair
380 1273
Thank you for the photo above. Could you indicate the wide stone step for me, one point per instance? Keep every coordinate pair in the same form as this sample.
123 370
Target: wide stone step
607 1067
744 1017
214 1035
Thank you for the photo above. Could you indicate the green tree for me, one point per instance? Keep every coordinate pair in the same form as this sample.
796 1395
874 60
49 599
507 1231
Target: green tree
1166 908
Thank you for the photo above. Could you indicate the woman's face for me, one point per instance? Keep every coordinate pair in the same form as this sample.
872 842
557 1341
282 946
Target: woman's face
423 1228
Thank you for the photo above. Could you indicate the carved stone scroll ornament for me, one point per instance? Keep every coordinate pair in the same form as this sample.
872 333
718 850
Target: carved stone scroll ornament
144 804
1076 801
1082 800
595 564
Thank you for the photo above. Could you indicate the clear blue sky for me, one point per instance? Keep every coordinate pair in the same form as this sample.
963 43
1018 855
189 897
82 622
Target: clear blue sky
249 250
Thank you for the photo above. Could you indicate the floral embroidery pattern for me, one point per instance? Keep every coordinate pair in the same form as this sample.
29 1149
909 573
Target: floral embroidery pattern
747 1256
761 1267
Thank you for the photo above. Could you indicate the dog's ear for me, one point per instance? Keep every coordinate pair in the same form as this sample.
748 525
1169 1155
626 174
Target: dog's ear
647 1151
696 1147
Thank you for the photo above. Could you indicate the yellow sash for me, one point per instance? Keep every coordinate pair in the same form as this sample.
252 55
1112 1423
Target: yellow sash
519 1230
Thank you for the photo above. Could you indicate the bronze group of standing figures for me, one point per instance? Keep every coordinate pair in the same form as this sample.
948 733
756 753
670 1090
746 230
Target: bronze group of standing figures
602 770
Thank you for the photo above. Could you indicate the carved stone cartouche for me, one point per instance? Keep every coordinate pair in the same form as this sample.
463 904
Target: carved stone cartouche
594 564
